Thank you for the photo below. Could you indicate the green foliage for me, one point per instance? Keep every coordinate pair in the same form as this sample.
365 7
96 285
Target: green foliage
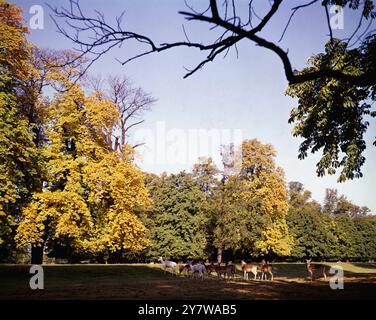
177 220
310 230
332 115
341 231
18 153
250 205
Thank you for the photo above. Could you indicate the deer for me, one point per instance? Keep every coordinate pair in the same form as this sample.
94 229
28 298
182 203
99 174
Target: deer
184 267
199 268
210 268
220 270
230 270
168 264
247 268
266 268
312 268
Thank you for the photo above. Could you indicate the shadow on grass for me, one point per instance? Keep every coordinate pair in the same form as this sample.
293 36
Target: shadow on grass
150 282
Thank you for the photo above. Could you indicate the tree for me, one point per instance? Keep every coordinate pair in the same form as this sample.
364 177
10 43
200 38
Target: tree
205 172
255 205
18 153
131 103
366 240
340 77
309 228
346 236
311 233
91 191
330 201
332 114
176 221
336 205
299 197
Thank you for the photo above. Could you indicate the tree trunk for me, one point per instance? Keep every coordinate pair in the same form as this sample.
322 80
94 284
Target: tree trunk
219 249
219 255
36 255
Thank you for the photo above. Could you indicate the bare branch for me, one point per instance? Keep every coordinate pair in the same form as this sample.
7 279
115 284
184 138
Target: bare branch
106 37
294 10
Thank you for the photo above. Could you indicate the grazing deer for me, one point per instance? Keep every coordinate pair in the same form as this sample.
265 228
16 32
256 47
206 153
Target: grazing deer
266 268
168 264
184 267
312 268
197 268
247 268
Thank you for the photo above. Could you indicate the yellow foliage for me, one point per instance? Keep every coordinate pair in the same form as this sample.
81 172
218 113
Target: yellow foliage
275 240
92 191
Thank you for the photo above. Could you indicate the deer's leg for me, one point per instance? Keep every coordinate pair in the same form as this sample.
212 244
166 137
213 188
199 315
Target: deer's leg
271 274
324 273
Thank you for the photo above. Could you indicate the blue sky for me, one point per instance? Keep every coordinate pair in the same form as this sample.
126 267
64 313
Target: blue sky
245 93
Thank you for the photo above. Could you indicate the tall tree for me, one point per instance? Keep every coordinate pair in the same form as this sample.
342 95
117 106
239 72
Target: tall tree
18 153
255 205
91 192
177 220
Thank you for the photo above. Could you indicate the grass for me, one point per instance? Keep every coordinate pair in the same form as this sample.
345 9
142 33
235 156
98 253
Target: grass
143 281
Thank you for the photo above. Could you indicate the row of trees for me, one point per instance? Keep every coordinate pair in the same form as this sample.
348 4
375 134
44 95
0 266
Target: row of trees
251 214
337 230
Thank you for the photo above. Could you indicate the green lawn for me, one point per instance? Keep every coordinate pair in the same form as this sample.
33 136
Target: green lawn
144 281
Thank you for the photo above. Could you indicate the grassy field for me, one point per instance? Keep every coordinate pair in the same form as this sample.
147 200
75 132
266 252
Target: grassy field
142 281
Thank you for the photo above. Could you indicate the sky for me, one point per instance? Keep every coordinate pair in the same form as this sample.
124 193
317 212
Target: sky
230 99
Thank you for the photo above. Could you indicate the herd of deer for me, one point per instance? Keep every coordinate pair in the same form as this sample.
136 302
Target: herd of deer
229 270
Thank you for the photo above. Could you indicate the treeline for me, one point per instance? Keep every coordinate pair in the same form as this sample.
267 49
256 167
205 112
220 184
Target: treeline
186 222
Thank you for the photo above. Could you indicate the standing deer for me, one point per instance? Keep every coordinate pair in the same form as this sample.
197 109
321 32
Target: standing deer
266 268
230 270
247 268
312 268
210 268
168 264
221 270
199 268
